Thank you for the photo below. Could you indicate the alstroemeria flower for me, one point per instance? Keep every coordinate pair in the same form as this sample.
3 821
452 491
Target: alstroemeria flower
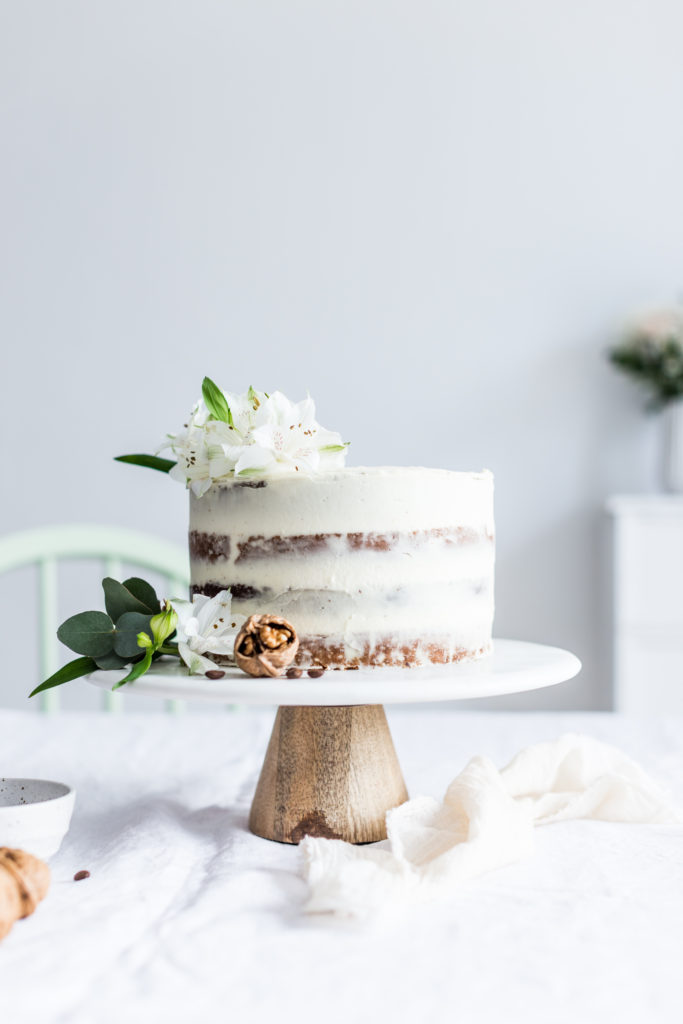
263 435
206 625
208 449
287 437
190 449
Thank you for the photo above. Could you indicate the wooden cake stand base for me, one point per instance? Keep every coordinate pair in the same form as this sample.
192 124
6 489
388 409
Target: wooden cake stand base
328 771
330 768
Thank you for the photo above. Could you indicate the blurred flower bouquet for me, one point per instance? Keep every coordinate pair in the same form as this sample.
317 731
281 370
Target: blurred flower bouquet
652 354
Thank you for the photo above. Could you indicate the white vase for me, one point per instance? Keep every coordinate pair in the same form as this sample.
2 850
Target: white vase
673 446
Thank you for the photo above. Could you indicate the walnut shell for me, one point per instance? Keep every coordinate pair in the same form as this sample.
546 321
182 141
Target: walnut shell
266 645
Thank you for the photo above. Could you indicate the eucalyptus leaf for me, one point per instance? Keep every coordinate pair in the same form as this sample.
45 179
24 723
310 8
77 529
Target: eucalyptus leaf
126 636
144 592
111 661
216 402
149 461
90 633
120 598
74 669
137 670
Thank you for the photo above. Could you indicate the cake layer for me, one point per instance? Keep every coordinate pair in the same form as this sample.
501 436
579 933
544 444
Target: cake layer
357 499
338 567
358 560
459 610
376 652
211 547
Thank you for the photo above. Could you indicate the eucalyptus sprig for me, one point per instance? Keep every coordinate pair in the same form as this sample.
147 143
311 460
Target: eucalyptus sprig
132 631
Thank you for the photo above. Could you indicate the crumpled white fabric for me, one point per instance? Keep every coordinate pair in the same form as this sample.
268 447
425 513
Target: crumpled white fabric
485 821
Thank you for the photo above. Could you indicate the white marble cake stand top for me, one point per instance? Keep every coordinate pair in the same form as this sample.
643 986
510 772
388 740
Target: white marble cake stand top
513 667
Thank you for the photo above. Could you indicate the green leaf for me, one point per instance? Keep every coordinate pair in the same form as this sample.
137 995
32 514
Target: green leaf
144 592
149 461
132 596
126 636
110 661
216 402
75 669
335 447
137 670
90 633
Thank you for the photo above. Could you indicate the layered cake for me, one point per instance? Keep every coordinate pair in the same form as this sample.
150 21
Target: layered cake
373 566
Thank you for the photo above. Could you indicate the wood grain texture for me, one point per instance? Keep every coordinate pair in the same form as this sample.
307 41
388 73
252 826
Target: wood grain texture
328 771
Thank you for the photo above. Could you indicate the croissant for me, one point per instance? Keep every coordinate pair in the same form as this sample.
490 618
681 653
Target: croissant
24 881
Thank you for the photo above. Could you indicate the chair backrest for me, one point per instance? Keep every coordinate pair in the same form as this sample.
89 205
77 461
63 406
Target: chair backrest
112 546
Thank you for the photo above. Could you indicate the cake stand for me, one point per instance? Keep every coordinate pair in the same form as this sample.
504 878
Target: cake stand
330 768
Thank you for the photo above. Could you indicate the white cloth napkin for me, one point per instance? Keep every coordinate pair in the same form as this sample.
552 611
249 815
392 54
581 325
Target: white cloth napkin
485 821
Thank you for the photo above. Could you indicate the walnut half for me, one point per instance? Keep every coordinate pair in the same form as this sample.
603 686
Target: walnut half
266 645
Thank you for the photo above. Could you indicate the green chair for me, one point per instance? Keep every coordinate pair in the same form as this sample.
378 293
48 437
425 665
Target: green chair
112 546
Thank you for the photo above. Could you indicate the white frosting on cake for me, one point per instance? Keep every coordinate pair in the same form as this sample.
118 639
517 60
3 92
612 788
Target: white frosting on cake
353 499
360 557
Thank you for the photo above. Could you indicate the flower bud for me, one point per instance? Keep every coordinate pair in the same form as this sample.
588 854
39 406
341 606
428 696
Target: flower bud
163 624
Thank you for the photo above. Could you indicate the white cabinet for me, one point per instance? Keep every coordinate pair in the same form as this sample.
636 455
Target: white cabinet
647 603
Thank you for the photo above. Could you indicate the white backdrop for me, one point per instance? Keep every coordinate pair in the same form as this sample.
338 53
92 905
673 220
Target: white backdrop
431 214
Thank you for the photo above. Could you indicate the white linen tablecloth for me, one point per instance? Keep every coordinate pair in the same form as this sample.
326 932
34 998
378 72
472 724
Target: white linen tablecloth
187 916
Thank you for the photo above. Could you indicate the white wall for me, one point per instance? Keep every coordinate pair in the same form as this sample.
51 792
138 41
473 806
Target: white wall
433 215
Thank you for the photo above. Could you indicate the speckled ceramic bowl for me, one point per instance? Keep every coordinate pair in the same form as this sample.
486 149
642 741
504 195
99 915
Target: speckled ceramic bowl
34 814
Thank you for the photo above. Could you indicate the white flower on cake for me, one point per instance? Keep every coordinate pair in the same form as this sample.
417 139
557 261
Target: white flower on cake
286 437
254 434
206 626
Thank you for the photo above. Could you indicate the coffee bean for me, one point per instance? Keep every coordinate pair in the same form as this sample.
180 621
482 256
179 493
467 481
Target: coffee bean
214 674
315 673
294 673
80 875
